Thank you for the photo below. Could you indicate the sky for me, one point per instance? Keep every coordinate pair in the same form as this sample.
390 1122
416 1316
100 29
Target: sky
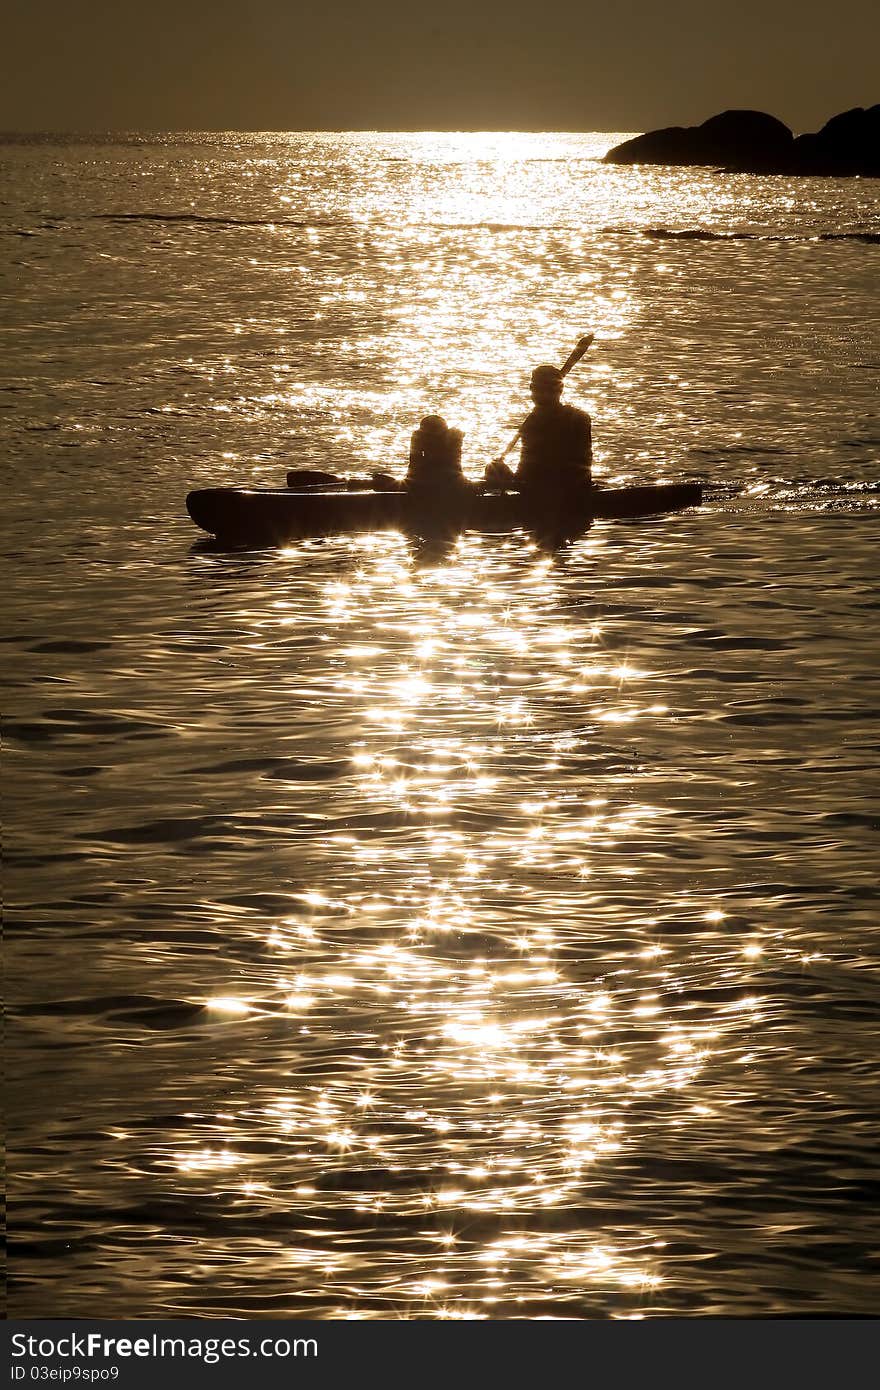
93 65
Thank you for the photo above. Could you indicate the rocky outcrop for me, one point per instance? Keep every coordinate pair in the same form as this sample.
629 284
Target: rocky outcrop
751 142
847 144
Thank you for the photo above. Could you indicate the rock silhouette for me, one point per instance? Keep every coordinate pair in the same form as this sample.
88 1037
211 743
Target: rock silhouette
751 142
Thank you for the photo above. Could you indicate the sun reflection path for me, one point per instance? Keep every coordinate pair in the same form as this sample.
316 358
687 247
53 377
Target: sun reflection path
489 1027
428 238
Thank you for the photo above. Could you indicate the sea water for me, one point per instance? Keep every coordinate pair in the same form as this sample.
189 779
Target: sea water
392 932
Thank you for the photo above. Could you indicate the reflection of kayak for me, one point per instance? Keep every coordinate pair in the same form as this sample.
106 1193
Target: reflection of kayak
266 516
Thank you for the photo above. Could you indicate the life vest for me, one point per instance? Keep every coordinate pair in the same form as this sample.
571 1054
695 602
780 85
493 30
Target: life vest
556 449
435 457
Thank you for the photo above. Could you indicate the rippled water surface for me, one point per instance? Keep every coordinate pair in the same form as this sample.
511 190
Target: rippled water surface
403 932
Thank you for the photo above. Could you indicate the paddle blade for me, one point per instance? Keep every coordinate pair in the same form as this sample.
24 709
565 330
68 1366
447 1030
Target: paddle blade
577 353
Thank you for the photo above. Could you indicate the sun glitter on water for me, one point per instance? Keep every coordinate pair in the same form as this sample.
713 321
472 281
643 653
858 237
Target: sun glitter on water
533 1063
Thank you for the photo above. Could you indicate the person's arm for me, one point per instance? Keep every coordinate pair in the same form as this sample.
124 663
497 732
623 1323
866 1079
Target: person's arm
499 474
384 482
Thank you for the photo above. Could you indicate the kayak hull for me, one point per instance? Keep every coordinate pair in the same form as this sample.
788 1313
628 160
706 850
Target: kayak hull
265 516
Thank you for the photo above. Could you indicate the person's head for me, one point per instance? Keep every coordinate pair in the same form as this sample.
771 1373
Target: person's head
546 385
433 424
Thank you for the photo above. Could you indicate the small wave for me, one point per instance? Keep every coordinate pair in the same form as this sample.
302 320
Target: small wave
146 1009
194 219
698 234
271 222
701 234
870 238
199 219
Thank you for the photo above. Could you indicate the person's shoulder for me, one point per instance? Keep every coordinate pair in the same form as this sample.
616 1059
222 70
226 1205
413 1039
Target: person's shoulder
575 412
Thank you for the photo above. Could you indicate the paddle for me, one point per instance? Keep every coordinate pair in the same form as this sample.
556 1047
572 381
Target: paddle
572 360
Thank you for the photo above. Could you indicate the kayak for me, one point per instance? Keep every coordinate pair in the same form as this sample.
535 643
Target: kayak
272 516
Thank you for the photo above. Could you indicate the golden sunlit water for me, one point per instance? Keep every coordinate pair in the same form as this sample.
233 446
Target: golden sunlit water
462 931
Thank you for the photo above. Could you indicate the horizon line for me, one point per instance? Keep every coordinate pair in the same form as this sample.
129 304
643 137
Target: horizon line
313 130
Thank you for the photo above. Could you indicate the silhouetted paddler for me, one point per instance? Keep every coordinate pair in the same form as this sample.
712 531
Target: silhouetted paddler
557 444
